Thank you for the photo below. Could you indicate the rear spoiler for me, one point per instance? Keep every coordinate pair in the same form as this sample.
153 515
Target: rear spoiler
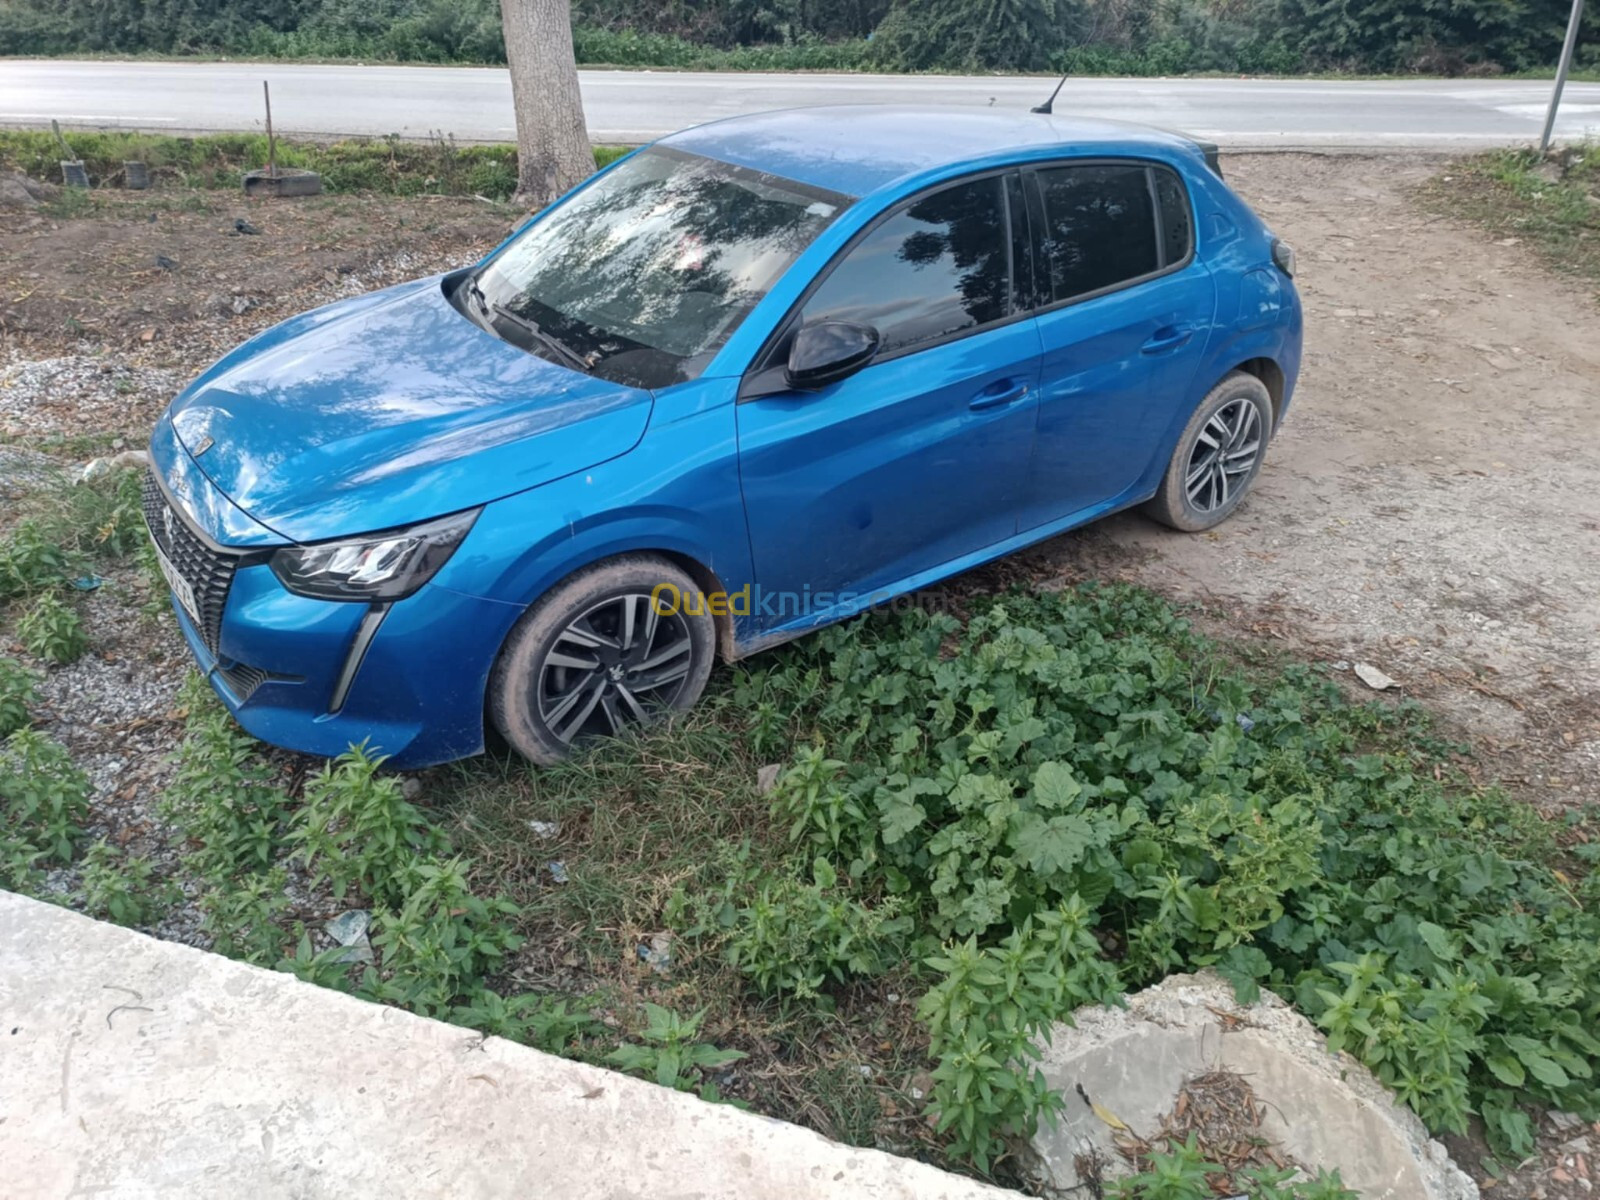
1213 160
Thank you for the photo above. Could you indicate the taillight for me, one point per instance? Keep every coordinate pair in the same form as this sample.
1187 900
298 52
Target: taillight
1283 256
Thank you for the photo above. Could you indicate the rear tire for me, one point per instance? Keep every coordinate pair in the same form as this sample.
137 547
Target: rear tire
1217 457
592 656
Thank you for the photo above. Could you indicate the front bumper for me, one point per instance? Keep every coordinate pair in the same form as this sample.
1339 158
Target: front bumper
319 676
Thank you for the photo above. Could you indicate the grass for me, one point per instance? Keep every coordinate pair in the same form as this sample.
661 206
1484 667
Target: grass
389 165
1551 204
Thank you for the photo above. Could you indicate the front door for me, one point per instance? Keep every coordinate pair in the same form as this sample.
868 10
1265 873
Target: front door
920 458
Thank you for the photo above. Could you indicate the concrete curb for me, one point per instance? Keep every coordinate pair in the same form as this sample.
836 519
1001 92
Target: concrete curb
1326 1110
131 1067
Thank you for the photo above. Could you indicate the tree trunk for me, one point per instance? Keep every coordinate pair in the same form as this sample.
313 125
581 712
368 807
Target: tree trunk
553 151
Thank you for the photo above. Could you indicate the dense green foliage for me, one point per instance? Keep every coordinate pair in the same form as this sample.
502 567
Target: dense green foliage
44 802
435 942
388 165
1085 36
1069 795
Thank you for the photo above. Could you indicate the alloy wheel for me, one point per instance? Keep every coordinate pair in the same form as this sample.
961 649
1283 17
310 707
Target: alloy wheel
612 666
1224 454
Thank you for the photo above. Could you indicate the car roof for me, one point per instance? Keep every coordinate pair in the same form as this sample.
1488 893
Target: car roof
859 148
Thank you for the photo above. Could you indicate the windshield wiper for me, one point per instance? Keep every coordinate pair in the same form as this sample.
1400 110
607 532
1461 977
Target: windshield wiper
531 328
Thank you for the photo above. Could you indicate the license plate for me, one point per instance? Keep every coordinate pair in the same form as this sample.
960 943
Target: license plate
179 585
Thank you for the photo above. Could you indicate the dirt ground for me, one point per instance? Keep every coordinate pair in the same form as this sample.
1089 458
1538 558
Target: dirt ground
1432 504
1431 507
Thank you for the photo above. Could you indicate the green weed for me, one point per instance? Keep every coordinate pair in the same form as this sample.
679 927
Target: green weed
121 888
52 629
18 691
44 798
671 1055
1069 771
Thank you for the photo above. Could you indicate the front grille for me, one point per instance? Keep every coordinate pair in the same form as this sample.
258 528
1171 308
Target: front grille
206 569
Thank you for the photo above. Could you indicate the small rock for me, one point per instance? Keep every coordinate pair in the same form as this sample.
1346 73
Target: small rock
1374 678
767 778
411 787
19 191
165 263
544 829
864 1071
1564 1121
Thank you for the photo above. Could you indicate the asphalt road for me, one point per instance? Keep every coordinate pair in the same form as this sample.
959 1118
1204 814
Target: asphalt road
474 104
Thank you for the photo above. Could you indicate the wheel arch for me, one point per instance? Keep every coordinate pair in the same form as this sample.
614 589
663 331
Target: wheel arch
1271 375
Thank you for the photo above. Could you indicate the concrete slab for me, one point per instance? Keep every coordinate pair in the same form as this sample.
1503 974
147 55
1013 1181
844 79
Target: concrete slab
131 1067
1324 1110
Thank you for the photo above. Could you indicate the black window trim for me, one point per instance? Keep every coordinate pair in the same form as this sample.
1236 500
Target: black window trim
750 385
1036 207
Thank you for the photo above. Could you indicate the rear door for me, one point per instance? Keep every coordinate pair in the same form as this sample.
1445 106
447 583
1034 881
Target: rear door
921 457
1127 310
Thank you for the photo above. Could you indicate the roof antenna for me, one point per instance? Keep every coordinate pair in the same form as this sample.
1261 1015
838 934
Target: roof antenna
1048 106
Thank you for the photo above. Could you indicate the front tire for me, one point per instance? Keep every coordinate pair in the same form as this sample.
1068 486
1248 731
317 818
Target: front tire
593 656
1217 457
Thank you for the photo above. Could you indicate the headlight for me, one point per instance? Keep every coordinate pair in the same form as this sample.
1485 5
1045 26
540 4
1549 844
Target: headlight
379 566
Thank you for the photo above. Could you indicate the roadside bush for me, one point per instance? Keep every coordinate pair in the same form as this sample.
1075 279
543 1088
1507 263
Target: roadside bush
390 165
223 795
31 560
357 833
1084 762
18 691
52 630
44 799
119 887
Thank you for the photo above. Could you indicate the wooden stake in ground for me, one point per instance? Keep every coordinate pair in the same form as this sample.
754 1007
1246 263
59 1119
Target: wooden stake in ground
553 151
272 146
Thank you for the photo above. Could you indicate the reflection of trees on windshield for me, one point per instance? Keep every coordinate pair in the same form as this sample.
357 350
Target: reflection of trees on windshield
652 267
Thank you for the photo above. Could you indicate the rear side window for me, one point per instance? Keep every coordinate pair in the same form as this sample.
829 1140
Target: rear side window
939 267
1177 234
1102 228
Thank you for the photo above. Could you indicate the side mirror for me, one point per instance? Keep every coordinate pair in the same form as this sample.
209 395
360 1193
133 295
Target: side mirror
828 351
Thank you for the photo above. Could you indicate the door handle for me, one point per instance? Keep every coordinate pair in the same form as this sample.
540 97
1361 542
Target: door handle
999 393
1168 337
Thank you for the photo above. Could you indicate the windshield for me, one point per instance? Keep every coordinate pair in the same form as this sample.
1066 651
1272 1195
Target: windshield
640 277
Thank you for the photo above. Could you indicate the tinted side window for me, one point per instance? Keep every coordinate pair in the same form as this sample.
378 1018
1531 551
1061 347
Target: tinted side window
1100 227
937 267
1176 232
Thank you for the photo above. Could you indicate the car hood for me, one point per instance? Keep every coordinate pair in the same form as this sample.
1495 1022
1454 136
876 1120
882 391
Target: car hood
391 408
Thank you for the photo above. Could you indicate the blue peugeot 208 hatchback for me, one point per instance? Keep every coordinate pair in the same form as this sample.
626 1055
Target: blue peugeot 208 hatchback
749 380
